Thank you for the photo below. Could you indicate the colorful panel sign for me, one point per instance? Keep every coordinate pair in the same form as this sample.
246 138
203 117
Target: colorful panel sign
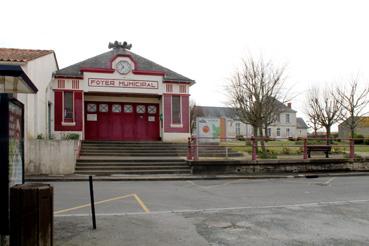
208 129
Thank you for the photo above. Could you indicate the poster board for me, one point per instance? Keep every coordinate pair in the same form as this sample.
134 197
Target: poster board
11 153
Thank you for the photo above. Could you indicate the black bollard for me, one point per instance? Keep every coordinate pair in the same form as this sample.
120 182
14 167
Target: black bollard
92 203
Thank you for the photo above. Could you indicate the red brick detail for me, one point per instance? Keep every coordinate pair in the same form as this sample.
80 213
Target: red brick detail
169 88
61 83
75 84
182 88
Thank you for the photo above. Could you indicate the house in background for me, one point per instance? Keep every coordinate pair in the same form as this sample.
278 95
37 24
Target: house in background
39 66
362 128
214 123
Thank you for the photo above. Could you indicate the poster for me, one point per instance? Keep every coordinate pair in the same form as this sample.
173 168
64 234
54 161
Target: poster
15 144
208 129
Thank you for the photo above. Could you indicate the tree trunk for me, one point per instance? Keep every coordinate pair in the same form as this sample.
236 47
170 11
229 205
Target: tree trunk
262 139
328 130
255 130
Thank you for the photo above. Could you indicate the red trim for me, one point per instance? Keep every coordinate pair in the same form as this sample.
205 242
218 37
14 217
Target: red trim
61 83
67 77
175 94
97 70
66 90
175 82
121 55
146 72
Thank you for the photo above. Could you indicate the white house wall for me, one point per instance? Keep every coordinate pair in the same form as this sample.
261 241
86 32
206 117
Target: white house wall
36 112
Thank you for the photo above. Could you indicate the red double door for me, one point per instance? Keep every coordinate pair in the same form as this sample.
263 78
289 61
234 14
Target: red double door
121 121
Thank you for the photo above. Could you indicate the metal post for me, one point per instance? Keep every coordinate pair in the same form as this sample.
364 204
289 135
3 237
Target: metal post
189 149
92 202
352 149
195 149
305 149
253 148
226 149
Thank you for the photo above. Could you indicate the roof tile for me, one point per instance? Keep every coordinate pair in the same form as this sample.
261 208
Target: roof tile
21 55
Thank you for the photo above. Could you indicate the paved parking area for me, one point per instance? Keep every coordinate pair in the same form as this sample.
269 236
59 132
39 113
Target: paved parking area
323 211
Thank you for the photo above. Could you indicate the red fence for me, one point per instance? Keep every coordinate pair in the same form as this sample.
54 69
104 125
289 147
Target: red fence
306 147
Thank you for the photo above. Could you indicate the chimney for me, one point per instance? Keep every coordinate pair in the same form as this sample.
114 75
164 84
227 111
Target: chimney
289 105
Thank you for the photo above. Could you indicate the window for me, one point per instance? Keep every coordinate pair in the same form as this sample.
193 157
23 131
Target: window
176 109
278 132
116 108
151 109
169 87
68 106
140 109
103 108
91 107
269 132
238 128
128 108
288 132
278 118
182 88
287 118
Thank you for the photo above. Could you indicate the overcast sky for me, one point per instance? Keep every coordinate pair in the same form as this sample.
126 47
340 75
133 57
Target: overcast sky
320 42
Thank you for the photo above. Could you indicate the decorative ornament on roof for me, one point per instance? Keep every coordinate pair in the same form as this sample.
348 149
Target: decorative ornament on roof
117 45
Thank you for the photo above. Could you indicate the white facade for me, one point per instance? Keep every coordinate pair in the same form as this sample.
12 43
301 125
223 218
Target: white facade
36 110
285 127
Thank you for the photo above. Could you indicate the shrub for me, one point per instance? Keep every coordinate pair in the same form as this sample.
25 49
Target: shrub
366 141
286 150
338 150
358 139
240 138
291 139
71 136
40 136
269 154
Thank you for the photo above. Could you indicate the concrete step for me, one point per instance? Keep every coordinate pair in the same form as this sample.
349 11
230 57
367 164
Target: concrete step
138 168
133 172
129 163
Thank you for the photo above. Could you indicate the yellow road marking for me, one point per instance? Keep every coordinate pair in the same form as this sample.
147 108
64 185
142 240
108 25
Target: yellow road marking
88 205
143 206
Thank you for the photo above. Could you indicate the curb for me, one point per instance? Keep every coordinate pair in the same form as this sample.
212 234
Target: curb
178 178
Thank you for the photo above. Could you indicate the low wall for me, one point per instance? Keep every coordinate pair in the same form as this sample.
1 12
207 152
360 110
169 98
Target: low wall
275 166
51 157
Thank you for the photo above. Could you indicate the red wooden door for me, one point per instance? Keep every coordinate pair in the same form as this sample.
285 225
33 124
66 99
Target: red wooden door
121 121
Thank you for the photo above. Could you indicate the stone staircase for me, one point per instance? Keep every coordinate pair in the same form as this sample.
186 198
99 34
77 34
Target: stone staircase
138 158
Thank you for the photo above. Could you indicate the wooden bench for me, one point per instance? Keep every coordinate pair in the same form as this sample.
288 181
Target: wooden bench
323 148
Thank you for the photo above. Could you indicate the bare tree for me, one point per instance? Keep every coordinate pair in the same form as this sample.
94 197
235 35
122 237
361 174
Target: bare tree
313 123
253 92
353 102
323 108
194 112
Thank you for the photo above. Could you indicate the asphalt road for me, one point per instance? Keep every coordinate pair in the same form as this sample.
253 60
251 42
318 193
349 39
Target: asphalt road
323 211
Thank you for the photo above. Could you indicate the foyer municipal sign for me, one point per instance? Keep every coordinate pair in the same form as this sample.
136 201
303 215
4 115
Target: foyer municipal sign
140 84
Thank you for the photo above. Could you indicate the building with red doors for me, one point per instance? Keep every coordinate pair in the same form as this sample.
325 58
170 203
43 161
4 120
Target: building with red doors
119 95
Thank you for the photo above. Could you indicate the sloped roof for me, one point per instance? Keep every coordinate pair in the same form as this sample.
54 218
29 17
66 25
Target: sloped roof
21 55
215 112
301 123
103 61
363 122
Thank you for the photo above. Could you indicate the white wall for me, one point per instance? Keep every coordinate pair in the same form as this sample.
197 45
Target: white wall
36 116
52 157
